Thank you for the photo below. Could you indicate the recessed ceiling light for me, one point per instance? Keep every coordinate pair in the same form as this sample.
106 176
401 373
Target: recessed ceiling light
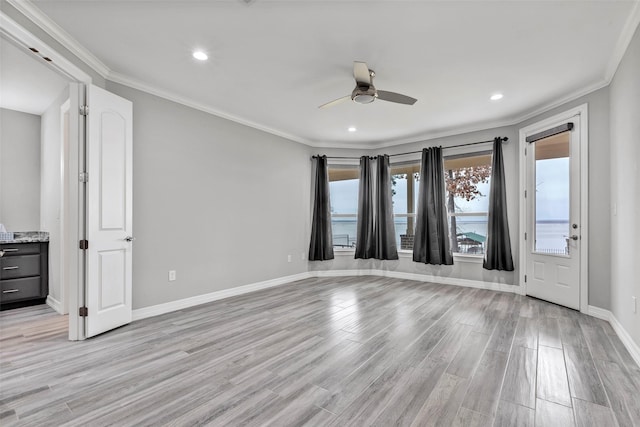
352 129
496 96
200 55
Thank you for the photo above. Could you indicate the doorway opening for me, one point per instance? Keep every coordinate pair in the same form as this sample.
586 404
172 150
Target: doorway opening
60 143
553 209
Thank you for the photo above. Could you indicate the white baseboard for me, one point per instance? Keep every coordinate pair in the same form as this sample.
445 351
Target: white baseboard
55 304
598 312
155 310
632 347
421 278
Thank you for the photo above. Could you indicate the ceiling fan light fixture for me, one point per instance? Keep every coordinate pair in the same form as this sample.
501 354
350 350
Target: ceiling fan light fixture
364 98
200 55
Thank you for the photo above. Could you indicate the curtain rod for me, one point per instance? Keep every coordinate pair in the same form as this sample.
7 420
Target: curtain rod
502 139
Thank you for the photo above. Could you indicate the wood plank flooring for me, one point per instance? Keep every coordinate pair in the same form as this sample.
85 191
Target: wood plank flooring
362 351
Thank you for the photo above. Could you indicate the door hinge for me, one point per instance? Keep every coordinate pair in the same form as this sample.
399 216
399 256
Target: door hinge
525 278
84 244
525 151
83 311
525 194
525 236
83 177
84 110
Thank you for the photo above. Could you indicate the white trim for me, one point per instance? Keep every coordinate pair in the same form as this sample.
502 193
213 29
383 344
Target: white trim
155 310
599 313
623 42
418 277
19 34
406 253
428 137
55 304
35 15
137 84
583 112
625 337
72 254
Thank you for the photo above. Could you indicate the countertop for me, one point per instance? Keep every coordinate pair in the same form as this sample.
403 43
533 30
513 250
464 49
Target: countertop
24 237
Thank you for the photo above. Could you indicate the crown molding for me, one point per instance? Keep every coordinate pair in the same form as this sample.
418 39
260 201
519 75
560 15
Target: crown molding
60 35
35 15
629 29
14 31
515 120
137 84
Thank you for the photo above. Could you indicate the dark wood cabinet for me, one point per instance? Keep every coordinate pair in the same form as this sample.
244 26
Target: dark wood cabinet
24 273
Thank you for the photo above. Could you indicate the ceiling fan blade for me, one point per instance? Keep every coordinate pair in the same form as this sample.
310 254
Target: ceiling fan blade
335 102
361 73
396 97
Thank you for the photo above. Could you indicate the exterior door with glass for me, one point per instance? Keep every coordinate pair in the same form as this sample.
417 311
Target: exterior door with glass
553 229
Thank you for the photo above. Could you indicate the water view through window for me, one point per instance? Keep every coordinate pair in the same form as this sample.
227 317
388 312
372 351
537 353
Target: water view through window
552 195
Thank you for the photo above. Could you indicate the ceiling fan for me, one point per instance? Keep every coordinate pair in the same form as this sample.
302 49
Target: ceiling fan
365 92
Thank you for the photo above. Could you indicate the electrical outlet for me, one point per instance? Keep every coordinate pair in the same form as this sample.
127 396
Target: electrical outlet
635 304
172 275
288 258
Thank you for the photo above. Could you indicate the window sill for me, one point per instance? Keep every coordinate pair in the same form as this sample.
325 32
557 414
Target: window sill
403 253
475 259
344 251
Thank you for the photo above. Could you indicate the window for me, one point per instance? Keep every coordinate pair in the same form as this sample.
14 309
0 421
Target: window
468 179
552 195
405 180
343 189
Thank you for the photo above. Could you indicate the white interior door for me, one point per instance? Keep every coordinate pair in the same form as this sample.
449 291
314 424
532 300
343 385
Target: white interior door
553 229
109 211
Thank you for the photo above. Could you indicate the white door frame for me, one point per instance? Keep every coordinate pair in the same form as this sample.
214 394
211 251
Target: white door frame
73 226
583 112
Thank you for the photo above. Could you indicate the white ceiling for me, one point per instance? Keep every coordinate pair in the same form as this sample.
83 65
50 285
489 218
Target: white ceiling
272 63
27 84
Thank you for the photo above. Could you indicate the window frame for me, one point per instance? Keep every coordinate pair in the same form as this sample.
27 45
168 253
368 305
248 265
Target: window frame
461 154
347 165
408 167
414 159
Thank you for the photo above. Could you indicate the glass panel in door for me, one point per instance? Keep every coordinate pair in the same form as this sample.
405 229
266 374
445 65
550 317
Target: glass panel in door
552 195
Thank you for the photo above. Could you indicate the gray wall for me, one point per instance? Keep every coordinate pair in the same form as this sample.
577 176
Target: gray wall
625 189
599 183
463 268
221 203
599 205
19 170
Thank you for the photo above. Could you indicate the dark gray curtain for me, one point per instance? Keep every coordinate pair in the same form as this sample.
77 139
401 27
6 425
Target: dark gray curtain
431 243
364 232
376 234
498 249
321 246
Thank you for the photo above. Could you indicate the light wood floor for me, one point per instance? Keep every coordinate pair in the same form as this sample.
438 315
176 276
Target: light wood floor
351 351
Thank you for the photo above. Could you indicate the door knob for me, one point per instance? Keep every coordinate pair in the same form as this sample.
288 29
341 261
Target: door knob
574 237
129 238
